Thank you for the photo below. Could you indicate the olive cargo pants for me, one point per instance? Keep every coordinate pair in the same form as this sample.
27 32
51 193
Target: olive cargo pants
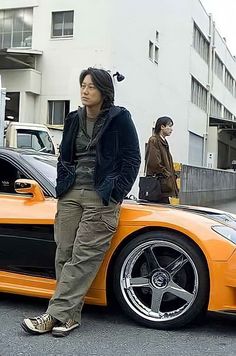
83 231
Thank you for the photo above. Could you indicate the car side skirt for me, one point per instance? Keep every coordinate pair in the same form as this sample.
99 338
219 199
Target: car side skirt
15 283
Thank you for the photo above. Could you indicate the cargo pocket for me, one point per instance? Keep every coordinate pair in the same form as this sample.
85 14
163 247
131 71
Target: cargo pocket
111 219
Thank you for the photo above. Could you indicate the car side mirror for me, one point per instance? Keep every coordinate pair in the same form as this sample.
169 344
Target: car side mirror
29 186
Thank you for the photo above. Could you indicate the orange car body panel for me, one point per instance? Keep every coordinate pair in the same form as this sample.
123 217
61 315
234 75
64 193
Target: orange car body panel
219 252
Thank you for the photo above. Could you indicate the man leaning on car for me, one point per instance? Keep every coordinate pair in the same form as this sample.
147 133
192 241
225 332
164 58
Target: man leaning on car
98 164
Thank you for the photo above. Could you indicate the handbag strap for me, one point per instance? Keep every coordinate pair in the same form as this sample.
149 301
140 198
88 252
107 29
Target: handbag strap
147 157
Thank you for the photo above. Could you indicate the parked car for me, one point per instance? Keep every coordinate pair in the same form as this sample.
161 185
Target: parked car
166 264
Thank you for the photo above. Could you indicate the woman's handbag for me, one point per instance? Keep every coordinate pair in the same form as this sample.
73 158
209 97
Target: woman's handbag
166 184
150 188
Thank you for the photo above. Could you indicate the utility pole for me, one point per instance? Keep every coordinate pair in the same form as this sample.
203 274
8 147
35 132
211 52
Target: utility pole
209 88
2 112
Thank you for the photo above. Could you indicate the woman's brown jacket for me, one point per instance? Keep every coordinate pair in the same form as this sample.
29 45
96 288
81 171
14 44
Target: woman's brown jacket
159 161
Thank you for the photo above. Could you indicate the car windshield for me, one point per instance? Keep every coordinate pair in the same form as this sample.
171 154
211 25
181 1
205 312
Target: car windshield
45 164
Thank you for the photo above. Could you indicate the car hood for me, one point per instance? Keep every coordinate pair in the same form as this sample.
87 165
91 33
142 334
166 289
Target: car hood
219 216
149 212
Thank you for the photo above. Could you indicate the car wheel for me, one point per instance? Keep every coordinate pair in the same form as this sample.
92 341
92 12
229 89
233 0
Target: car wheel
161 280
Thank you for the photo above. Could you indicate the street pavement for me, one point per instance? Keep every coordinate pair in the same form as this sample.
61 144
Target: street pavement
107 332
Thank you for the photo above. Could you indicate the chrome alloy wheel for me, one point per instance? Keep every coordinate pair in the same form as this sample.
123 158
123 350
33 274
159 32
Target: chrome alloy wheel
159 280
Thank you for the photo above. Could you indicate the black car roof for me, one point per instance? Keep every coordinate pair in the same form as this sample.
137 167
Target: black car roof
23 151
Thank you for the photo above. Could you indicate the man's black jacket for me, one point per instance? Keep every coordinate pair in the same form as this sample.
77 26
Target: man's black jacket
117 155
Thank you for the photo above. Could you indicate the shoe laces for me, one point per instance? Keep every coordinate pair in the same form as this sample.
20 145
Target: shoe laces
43 319
68 323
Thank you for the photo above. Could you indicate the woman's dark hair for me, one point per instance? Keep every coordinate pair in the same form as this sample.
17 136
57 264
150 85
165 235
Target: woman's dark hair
103 82
164 120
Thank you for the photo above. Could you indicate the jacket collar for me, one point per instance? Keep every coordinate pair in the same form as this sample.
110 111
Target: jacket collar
109 115
162 141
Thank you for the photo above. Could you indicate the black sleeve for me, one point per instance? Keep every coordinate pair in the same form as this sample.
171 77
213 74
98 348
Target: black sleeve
129 156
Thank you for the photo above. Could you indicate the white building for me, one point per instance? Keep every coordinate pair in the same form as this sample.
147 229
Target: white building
174 61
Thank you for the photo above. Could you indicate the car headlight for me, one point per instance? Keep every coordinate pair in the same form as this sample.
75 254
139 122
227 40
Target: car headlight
225 231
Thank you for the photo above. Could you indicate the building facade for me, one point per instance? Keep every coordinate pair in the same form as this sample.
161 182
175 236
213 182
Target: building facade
174 61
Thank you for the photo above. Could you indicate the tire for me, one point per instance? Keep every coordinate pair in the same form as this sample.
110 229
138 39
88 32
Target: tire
161 280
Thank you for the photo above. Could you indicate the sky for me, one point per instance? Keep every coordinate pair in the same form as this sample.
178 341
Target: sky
224 12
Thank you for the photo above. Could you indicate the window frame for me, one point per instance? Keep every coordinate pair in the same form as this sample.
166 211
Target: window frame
150 50
16 17
219 67
198 94
63 24
229 81
215 107
154 48
64 114
227 114
156 54
200 43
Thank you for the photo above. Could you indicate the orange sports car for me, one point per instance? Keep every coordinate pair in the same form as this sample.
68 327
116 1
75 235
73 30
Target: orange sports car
166 265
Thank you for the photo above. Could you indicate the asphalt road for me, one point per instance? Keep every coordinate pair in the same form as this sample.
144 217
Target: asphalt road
108 332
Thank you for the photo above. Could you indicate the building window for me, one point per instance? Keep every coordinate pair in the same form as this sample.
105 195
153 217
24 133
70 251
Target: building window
57 111
195 153
151 50
229 81
154 49
200 43
12 106
216 108
227 115
198 94
62 23
156 54
16 28
219 67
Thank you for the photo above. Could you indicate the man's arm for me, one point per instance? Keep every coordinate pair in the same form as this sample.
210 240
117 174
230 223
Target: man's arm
129 155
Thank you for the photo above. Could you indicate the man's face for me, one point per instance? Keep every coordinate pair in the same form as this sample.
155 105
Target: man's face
166 130
90 95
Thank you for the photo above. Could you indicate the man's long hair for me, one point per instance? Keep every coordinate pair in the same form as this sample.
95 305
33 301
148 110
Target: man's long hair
103 82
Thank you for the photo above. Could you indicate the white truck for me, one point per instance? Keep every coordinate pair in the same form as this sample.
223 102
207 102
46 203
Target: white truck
26 135
31 136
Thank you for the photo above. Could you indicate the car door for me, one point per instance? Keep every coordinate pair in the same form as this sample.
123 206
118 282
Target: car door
26 227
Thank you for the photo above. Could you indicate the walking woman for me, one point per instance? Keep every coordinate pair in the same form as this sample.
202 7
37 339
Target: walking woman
159 160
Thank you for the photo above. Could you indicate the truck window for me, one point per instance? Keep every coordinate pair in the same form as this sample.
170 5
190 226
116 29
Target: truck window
36 140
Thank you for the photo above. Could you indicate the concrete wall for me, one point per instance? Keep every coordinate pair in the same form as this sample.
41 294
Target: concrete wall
28 80
206 187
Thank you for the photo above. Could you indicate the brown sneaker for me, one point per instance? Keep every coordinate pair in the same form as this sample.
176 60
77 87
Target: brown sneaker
40 324
64 329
